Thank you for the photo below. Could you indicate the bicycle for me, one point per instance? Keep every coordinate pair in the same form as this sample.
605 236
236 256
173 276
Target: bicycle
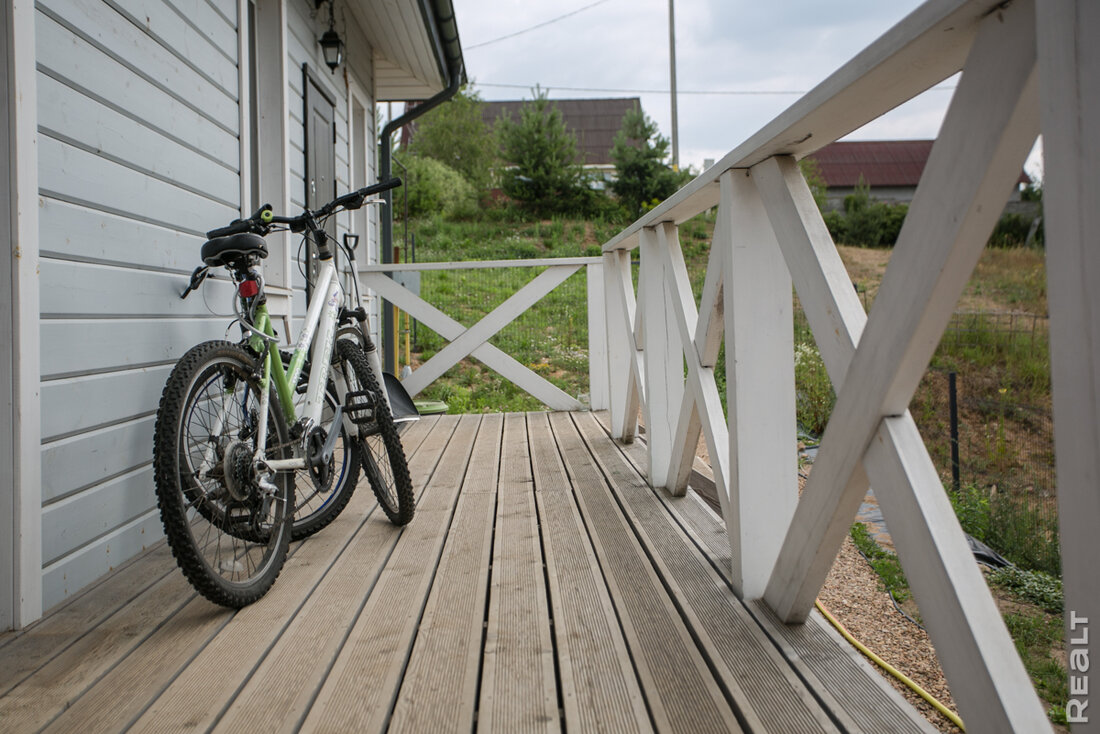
231 441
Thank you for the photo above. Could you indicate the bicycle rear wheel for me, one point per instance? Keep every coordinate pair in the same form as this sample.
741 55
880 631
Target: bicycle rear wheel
380 449
229 535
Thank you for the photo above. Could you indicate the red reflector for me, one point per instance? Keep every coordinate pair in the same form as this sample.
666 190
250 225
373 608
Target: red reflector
248 288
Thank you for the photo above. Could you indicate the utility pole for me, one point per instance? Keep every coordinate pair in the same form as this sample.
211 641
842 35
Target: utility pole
672 67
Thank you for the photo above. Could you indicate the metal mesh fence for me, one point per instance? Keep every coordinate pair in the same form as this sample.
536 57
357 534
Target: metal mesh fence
1001 433
1002 476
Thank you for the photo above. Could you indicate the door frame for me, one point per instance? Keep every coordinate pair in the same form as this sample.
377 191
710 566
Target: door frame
312 85
362 155
20 439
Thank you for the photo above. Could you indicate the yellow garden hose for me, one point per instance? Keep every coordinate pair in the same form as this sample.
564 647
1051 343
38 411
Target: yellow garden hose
890 668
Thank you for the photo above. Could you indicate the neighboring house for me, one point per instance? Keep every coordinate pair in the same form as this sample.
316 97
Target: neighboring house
594 121
131 127
891 169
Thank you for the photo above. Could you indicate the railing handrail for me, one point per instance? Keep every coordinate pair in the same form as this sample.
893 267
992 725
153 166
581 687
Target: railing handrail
881 77
480 264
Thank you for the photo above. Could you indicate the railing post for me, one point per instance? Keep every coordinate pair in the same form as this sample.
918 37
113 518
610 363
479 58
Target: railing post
664 358
597 339
1068 93
622 394
760 385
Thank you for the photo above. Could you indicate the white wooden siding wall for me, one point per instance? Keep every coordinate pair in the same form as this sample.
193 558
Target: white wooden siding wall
302 47
360 61
138 153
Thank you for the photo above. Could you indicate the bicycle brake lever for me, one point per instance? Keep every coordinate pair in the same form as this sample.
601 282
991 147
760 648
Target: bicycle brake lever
197 278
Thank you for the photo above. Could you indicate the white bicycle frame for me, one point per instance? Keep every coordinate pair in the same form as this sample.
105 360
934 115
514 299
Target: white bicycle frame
320 328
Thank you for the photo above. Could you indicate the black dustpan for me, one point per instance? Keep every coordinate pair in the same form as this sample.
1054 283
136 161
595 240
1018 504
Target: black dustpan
404 412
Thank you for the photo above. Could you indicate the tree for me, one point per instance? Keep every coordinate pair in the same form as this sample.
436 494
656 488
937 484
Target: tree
433 187
545 174
811 171
639 154
455 134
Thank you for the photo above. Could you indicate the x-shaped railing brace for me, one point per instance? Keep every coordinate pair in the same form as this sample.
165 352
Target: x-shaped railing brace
473 341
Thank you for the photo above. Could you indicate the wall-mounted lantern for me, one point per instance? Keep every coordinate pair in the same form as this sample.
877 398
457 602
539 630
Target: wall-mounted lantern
332 46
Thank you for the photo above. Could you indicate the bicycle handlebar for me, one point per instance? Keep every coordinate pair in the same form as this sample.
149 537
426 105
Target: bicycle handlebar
261 220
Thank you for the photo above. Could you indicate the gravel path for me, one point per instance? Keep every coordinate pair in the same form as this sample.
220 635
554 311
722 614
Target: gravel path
854 596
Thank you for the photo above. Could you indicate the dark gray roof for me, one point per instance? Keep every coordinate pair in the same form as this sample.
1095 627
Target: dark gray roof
593 121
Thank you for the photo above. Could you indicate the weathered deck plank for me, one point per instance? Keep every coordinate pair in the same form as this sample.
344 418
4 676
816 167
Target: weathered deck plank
683 695
454 622
26 652
61 682
600 691
120 696
768 694
518 689
359 691
439 689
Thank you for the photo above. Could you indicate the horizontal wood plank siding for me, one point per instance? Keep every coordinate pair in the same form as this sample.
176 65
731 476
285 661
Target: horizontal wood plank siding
139 154
302 48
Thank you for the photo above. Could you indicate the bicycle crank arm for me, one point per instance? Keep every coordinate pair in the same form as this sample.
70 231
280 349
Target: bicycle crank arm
333 434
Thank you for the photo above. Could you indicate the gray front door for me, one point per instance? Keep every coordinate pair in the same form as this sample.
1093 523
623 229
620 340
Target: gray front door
320 157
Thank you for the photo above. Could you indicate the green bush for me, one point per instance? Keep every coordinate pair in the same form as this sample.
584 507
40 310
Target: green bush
434 188
455 134
1024 533
814 397
1012 231
1037 587
972 508
866 222
1011 525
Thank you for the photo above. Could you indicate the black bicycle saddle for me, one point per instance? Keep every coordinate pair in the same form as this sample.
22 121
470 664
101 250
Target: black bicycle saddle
222 251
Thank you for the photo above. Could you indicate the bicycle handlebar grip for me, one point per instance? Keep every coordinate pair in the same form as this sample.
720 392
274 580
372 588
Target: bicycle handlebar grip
378 188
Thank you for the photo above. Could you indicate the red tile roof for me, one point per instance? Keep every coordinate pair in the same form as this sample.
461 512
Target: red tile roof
879 162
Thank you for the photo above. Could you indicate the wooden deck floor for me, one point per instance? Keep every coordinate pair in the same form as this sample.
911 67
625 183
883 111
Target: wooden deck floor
542 586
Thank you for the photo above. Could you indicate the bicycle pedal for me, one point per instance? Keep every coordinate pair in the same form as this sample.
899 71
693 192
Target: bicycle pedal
359 406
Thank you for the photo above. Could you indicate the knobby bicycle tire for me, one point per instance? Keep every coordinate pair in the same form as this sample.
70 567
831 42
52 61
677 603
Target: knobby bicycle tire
317 505
381 453
229 542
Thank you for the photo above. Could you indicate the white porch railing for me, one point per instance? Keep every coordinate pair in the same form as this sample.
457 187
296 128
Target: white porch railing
1023 62
474 341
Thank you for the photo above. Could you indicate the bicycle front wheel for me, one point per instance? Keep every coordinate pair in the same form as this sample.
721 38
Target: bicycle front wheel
380 449
228 532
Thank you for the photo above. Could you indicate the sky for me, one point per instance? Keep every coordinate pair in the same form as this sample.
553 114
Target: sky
738 62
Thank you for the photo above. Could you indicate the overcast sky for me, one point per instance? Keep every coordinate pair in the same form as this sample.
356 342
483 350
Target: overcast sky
722 46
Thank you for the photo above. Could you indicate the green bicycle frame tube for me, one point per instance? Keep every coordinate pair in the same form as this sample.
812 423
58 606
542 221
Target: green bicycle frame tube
273 367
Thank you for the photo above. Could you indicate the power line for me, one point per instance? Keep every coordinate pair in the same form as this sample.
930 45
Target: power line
603 90
535 27
641 91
